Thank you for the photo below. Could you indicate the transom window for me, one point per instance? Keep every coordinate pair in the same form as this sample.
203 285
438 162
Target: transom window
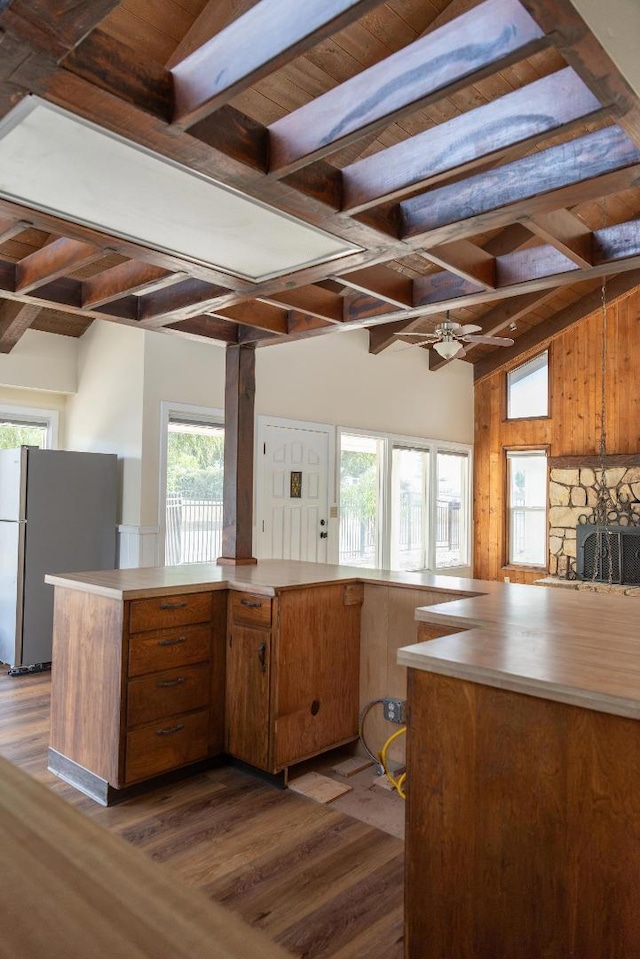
528 388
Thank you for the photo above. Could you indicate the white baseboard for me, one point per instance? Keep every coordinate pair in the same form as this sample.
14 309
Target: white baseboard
138 546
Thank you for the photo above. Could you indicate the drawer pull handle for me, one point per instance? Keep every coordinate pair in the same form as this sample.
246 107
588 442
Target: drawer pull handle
170 731
173 605
172 642
252 604
171 682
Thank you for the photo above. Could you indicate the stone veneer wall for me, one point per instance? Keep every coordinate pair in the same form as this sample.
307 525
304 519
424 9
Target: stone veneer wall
572 493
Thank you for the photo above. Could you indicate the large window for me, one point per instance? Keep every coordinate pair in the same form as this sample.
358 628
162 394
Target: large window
404 504
194 474
451 547
527 507
361 461
528 389
21 426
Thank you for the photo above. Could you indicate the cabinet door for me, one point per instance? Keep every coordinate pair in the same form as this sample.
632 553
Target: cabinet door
318 659
247 706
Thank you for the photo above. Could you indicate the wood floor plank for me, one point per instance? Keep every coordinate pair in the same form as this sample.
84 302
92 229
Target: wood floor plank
322 884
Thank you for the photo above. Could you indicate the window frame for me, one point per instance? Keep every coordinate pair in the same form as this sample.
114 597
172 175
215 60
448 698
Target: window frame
433 447
34 416
508 562
206 414
540 416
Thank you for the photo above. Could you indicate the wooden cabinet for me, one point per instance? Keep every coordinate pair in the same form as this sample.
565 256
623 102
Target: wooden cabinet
138 686
292 673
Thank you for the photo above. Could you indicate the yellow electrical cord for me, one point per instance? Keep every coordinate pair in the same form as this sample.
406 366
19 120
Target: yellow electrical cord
398 784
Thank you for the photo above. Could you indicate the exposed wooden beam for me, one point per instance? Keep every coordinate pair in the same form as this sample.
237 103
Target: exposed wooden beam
10 228
465 142
58 258
262 316
383 283
616 287
312 300
467 260
113 65
127 248
264 38
566 232
15 319
381 337
216 15
587 168
514 237
53 27
484 40
237 495
205 326
133 276
189 298
584 53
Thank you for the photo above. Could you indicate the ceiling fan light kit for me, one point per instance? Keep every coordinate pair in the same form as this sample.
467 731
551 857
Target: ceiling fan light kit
447 348
449 339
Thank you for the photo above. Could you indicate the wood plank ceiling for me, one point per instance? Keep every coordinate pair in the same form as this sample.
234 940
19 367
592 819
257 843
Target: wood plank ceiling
483 156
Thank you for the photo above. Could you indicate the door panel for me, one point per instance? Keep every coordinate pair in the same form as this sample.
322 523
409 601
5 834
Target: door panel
247 696
294 507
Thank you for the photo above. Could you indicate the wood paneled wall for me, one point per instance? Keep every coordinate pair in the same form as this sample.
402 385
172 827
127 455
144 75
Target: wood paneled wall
571 429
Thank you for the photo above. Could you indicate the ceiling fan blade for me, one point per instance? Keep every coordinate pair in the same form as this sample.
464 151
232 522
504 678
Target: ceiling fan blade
402 333
469 328
491 340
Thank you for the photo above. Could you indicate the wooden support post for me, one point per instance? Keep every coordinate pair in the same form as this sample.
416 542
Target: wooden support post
237 521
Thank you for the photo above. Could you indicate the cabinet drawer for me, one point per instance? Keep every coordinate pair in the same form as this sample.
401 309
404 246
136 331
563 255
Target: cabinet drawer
167 693
167 648
169 744
250 609
162 612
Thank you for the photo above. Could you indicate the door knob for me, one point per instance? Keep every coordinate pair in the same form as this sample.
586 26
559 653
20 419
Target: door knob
323 535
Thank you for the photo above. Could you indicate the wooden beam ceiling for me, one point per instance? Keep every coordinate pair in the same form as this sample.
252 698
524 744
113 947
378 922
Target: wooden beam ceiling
512 161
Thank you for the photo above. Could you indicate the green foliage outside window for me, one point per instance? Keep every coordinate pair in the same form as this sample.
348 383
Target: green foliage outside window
12 436
359 483
195 462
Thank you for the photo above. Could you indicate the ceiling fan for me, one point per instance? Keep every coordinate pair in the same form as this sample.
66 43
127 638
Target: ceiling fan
448 339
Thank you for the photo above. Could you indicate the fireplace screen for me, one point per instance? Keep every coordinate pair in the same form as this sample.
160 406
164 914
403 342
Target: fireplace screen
619 554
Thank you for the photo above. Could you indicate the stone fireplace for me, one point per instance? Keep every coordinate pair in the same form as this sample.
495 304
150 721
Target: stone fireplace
573 496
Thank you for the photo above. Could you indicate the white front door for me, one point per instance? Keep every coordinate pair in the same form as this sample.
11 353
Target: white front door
294 517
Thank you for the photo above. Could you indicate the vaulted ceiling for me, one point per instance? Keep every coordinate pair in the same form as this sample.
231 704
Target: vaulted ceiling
481 159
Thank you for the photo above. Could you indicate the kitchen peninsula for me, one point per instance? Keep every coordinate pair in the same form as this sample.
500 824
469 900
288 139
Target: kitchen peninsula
523 828
523 819
158 668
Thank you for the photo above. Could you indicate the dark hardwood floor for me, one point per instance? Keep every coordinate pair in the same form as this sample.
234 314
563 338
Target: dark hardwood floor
318 882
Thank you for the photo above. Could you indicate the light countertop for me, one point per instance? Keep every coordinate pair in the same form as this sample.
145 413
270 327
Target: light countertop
267 577
573 647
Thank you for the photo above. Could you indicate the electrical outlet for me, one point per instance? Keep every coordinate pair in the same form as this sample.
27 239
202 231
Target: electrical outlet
394 710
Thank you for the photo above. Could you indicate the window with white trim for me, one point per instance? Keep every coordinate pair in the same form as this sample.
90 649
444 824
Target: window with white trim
25 426
528 389
404 502
193 475
527 507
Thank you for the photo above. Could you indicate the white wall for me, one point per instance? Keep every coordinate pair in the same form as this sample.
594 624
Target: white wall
334 379
41 361
616 24
177 370
105 415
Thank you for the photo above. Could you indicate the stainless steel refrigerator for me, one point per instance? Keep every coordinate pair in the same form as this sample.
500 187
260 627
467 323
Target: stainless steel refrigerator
57 515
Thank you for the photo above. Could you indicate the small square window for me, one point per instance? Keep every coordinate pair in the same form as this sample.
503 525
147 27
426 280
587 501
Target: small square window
528 389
